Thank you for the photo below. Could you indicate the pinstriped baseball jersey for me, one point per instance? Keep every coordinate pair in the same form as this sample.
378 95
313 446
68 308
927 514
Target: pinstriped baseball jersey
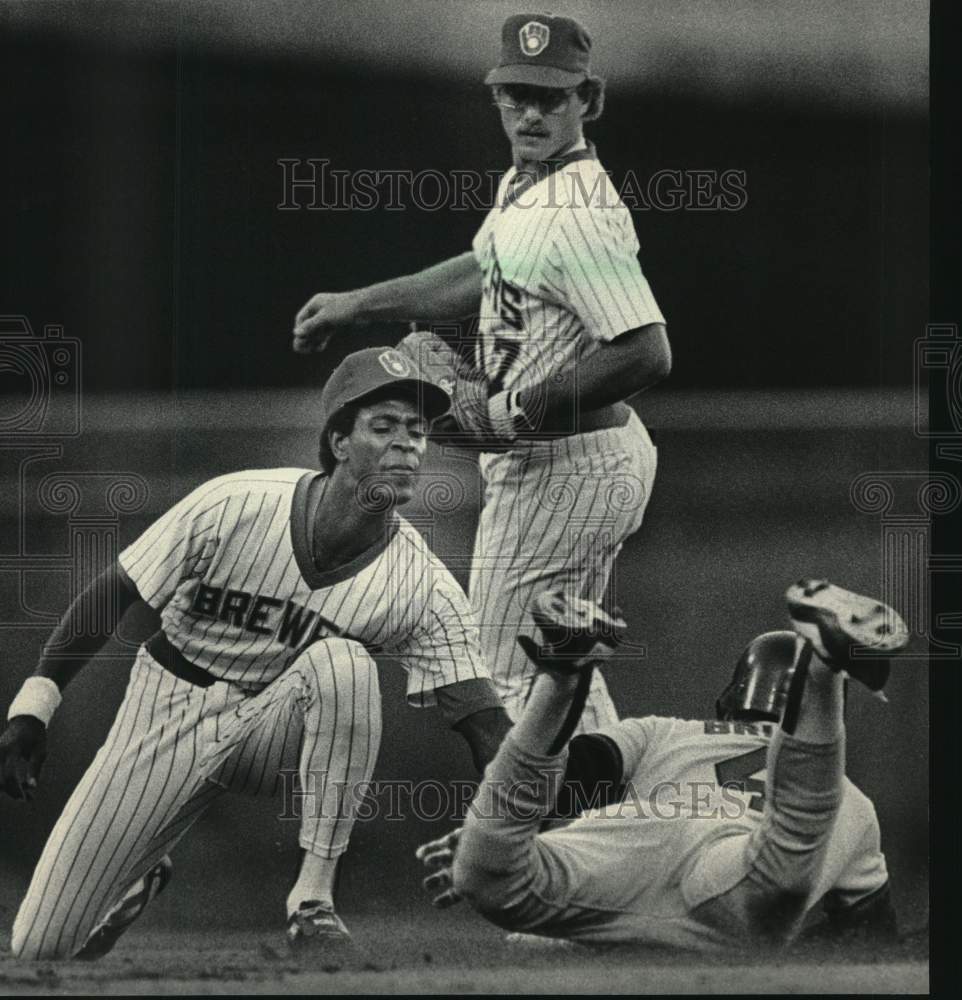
560 276
231 570
560 273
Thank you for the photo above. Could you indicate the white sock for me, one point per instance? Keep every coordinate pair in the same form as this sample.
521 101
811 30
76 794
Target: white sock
315 881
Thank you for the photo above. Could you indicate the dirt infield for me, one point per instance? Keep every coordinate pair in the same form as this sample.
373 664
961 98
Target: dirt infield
456 955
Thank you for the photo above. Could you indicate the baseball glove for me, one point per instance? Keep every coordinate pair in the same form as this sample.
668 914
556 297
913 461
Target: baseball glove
469 423
23 749
575 633
437 362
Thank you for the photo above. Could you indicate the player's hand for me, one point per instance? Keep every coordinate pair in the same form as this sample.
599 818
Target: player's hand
438 857
321 315
23 749
469 424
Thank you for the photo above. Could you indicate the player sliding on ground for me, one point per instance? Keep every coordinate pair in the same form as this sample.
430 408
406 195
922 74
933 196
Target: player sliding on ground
274 588
701 851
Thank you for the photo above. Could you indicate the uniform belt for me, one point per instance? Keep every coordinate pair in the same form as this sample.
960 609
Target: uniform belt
174 661
615 415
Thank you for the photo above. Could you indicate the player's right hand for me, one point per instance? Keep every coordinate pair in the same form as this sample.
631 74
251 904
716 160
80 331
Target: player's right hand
320 315
23 749
438 856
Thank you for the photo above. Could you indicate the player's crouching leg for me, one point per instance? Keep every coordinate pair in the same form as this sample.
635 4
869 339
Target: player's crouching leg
31 947
340 702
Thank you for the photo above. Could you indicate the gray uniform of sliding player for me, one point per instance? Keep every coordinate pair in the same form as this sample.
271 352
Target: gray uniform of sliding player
692 824
716 834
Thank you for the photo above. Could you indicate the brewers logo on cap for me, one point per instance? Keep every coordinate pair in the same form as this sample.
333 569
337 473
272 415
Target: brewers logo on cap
394 364
534 37
542 50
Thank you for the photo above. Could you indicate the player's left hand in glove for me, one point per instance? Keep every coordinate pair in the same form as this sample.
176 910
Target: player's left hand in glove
438 857
476 421
435 360
480 422
23 749
575 633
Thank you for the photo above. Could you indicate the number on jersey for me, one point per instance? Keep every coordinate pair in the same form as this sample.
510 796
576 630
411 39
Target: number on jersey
736 772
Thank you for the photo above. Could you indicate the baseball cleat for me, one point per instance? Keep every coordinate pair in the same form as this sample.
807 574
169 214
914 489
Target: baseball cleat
106 934
851 633
315 921
575 632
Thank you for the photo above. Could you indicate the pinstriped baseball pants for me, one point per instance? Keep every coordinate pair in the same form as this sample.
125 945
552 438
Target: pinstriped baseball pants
556 515
173 748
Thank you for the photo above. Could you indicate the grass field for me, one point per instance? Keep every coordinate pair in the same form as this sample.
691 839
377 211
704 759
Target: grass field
458 953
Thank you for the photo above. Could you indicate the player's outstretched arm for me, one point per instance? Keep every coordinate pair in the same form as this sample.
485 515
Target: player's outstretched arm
446 291
70 647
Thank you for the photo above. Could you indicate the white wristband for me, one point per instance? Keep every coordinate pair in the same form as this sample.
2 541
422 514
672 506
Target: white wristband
39 697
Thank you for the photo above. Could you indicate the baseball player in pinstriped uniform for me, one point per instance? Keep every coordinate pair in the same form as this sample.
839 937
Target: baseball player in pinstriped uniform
273 587
568 330
711 834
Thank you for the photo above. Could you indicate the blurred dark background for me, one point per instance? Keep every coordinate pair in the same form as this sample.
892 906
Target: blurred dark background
141 181
140 192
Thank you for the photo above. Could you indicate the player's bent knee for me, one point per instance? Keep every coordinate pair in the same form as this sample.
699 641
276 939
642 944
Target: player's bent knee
17 943
33 947
330 663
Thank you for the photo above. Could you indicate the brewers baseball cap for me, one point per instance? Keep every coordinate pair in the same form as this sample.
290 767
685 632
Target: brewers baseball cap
542 50
374 368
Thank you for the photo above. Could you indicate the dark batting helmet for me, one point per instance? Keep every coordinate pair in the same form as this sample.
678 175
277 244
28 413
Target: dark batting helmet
762 681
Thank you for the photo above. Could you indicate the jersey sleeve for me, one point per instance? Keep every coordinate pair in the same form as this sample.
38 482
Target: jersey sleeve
632 737
594 261
477 244
444 646
177 546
